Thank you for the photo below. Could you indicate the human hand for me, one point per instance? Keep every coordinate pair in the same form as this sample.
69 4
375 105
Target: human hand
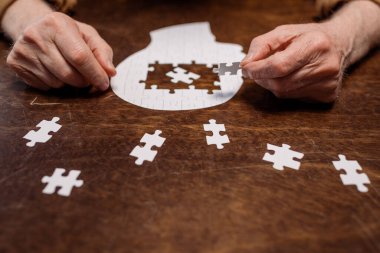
56 50
307 61
297 61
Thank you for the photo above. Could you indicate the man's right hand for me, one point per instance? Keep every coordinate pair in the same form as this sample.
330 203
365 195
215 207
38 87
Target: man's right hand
54 50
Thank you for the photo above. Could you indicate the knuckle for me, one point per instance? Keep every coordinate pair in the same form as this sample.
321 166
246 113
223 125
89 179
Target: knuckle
278 88
256 41
321 41
334 66
53 19
67 75
279 67
31 34
281 27
91 29
17 52
80 57
11 61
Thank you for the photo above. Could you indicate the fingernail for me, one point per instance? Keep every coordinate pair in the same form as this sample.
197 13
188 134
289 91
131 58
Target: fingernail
105 85
111 66
247 58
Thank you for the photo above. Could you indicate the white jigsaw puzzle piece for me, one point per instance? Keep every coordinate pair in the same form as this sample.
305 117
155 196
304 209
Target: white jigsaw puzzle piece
146 153
216 138
283 157
66 183
352 177
42 135
182 75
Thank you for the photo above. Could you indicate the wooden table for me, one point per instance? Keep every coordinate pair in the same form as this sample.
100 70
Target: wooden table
193 197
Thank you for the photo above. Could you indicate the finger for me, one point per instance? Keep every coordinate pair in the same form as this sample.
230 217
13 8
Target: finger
324 90
282 63
17 65
72 46
308 74
264 45
48 78
26 59
102 51
32 80
55 63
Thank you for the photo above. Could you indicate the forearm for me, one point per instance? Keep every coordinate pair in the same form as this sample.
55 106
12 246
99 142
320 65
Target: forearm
22 13
355 29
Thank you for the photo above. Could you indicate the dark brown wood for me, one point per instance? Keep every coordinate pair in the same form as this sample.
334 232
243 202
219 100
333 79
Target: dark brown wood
192 198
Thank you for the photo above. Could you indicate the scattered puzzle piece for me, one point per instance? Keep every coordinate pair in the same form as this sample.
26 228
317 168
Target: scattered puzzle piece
42 135
216 138
224 68
146 153
182 75
352 177
66 183
283 157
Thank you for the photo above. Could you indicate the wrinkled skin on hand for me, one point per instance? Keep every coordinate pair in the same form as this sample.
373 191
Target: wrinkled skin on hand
297 61
57 50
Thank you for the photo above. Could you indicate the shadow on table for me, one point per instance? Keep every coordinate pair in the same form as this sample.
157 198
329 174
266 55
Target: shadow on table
263 100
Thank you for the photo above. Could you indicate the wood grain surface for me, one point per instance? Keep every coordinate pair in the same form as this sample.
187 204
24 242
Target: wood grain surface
193 197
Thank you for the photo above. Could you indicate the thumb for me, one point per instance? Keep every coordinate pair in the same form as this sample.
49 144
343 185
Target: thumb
100 48
267 44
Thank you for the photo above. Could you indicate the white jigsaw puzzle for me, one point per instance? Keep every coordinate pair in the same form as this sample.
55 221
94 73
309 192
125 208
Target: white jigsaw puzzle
352 177
65 183
176 45
146 153
182 75
216 138
42 135
283 157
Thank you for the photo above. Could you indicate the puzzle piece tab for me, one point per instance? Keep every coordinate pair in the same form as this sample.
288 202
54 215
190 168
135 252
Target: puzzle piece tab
182 75
352 177
231 69
283 157
42 135
146 153
65 183
216 138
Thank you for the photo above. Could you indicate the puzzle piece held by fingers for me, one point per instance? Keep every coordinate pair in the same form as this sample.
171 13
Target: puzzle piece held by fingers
146 153
224 68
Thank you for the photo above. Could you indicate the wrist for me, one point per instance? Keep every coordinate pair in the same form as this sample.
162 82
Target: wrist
21 14
341 38
354 29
